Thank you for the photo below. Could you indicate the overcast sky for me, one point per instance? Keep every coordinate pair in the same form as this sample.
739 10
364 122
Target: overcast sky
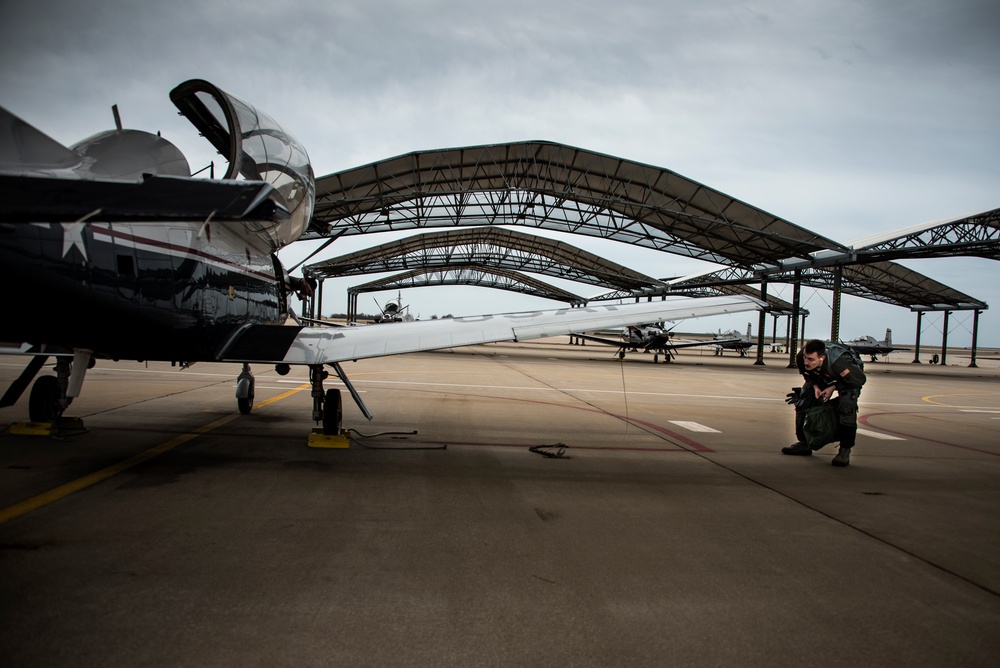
847 118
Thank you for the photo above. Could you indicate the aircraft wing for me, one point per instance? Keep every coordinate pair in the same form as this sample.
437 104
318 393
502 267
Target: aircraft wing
157 198
321 345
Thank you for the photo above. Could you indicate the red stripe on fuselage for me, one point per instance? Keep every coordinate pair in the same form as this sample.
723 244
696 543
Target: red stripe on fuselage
174 249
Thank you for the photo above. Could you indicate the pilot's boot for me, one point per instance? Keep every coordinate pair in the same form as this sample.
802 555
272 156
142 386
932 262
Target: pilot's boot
848 435
799 448
843 457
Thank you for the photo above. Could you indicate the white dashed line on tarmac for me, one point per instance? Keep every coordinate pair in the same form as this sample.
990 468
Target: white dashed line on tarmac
694 426
880 435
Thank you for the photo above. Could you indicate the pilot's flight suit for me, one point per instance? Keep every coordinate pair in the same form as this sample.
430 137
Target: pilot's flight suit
839 369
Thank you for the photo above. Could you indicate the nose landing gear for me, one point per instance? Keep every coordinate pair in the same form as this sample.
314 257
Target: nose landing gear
244 390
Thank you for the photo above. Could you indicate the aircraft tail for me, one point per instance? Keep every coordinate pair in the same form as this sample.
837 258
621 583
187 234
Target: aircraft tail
888 338
24 147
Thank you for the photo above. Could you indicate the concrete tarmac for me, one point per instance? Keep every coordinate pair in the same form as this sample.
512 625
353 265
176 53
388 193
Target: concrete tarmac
673 532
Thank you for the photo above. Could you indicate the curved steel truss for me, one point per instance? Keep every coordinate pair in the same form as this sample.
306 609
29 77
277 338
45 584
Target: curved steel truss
885 282
977 235
557 187
481 276
494 247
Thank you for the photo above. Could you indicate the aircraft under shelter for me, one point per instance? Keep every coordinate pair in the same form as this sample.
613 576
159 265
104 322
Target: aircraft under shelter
566 189
487 247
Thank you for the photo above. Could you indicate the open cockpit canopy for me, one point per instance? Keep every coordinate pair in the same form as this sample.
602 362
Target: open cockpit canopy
256 148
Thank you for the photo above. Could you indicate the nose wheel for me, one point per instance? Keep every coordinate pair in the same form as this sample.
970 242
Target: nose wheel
244 390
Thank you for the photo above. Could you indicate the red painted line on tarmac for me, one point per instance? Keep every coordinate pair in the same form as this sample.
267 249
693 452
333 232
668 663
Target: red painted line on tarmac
865 420
403 444
692 445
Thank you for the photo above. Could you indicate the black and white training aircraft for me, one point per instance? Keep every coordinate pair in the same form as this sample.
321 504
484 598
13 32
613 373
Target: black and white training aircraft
111 249
869 345
648 338
733 340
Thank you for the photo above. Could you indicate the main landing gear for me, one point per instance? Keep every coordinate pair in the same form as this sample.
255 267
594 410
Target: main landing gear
48 399
50 395
327 406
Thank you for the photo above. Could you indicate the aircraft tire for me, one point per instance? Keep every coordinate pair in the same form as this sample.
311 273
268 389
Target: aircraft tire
43 402
333 413
245 405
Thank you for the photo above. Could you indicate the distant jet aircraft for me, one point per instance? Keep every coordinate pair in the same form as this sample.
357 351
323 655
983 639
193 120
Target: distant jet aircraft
111 249
648 338
868 345
394 311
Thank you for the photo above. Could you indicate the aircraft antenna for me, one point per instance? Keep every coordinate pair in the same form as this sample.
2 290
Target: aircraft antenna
118 119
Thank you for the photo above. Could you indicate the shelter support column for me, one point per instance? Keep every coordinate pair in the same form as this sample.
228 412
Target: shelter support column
319 300
761 324
793 339
944 338
975 338
916 354
838 275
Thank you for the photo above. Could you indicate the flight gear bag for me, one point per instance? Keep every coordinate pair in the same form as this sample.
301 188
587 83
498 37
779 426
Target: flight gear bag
820 424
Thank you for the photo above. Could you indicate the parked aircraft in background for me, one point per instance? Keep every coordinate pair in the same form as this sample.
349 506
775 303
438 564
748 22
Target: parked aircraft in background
110 249
394 310
869 345
648 338
733 340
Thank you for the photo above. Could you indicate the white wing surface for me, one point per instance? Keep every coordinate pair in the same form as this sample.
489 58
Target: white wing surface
324 345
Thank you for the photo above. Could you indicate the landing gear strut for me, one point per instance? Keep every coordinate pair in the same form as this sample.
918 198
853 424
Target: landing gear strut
50 395
327 406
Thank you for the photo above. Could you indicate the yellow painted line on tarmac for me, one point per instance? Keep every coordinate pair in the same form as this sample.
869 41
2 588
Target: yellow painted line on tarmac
933 399
34 503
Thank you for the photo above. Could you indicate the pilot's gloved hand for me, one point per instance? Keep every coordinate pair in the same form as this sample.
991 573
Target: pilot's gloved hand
793 397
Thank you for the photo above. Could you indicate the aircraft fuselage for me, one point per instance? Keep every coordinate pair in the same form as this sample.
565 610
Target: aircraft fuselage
148 291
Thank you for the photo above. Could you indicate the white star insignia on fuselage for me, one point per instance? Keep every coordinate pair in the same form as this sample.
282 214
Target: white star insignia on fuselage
73 236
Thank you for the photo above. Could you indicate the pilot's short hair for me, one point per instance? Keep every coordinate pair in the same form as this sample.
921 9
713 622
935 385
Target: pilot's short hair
815 347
